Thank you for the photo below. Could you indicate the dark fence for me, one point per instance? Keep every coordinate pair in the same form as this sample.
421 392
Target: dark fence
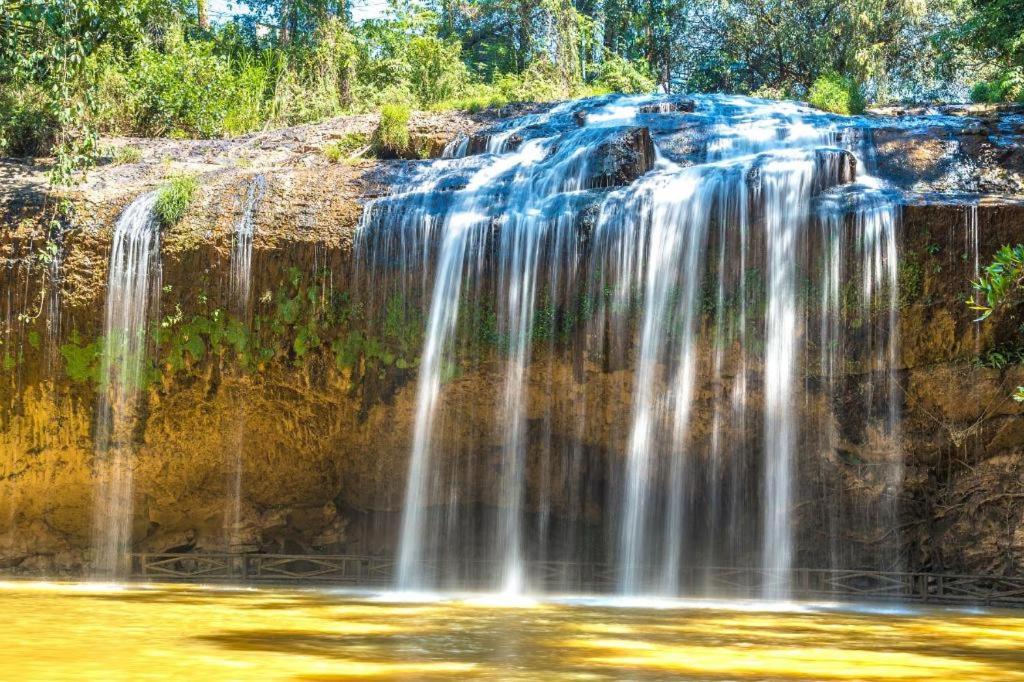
806 583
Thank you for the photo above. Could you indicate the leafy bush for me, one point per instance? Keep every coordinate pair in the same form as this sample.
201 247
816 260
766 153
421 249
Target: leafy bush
174 198
835 93
436 71
1006 87
315 81
1002 282
187 90
28 126
540 82
392 134
83 362
621 75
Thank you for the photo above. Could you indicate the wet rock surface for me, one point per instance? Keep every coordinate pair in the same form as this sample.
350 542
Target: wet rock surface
618 161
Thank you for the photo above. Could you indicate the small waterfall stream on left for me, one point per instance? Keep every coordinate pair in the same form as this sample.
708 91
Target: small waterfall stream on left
133 289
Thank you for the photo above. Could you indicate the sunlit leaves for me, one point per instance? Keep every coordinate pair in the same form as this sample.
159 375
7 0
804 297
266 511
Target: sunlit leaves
1001 284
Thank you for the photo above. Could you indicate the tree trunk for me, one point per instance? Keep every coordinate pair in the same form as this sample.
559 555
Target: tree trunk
525 33
202 18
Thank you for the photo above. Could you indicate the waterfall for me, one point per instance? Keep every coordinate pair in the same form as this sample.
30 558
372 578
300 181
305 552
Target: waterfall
859 323
133 287
972 257
698 303
241 249
241 283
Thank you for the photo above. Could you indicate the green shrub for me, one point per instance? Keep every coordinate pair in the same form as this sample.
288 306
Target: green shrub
837 94
174 198
28 126
83 362
186 90
392 135
621 75
317 80
247 106
540 82
1008 86
436 71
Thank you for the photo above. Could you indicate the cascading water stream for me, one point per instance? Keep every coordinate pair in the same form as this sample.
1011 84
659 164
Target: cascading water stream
241 284
133 287
700 277
241 248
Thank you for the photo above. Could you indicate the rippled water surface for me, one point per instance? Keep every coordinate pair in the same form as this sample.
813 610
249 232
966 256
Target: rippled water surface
65 631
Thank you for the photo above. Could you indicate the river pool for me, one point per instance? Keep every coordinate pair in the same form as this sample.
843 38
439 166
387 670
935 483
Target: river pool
58 631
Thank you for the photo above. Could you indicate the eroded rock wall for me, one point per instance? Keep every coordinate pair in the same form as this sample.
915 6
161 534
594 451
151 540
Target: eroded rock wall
314 394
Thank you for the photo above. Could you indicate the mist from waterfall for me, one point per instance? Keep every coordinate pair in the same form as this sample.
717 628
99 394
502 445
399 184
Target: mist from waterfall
133 289
710 296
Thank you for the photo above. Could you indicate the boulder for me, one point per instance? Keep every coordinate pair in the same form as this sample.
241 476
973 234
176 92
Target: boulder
620 158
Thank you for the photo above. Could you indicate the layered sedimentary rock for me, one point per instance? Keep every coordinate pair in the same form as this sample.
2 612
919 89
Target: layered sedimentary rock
315 393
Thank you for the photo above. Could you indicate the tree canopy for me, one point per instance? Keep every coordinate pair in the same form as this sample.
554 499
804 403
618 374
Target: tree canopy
71 68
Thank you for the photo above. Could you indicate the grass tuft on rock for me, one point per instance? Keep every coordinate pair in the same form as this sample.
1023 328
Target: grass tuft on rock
128 154
174 198
351 146
392 135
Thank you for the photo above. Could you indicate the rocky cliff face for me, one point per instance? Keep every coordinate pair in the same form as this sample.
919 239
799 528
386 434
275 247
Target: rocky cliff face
311 392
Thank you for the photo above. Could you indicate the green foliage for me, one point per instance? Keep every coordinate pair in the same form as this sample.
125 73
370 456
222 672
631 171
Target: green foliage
1001 357
837 94
28 124
994 28
540 82
477 98
185 89
435 69
1002 286
1002 283
83 362
174 198
910 280
618 74
126 154
392 134
1007 86
339 150
185 341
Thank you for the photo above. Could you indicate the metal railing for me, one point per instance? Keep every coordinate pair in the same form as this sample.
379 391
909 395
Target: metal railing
375 571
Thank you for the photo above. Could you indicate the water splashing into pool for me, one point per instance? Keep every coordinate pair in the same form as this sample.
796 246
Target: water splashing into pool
699 296
133 289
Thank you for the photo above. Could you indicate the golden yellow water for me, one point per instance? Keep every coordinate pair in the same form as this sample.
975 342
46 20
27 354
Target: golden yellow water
73 632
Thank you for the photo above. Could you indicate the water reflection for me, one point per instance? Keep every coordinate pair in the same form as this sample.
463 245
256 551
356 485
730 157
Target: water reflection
168 632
